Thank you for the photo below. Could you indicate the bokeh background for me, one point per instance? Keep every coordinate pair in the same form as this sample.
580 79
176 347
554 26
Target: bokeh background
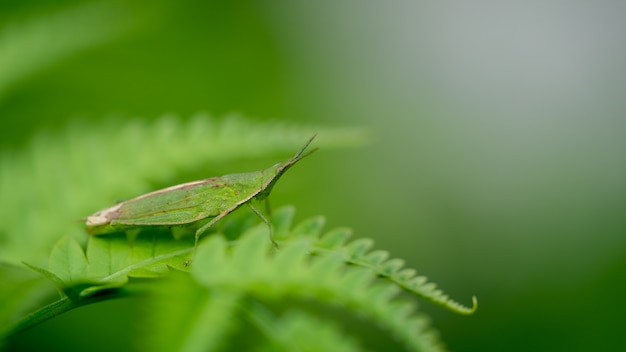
498 166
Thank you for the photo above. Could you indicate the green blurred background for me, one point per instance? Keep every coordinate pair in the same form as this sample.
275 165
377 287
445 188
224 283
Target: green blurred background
499 162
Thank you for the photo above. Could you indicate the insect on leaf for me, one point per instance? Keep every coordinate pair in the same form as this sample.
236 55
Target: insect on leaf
194 206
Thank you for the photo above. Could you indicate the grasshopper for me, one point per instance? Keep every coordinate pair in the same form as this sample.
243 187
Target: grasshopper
195 205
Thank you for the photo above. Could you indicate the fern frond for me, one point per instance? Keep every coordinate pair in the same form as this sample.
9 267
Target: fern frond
220 318
60 178
110 261
359 253
213 320
297 330
291 272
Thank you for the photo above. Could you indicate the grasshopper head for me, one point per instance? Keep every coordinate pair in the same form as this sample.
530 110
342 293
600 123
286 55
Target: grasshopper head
276 171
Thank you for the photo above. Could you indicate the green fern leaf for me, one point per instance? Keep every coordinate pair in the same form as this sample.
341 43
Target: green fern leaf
231 275
297 330
200 319
68 262
357 253
110 260
251 268
391 267
311 227
213 320
335 238
358 248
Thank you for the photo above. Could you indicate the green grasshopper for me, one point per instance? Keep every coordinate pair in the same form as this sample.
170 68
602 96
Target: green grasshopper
193 206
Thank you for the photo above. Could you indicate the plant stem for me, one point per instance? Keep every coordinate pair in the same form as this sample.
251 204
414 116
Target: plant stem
62 305
51 310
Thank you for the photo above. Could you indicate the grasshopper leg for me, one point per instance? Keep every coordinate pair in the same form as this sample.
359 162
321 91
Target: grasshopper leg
265 220
199 232
268 210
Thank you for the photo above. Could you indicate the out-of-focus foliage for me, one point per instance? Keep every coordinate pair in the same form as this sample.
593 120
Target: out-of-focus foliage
500 137
29 44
